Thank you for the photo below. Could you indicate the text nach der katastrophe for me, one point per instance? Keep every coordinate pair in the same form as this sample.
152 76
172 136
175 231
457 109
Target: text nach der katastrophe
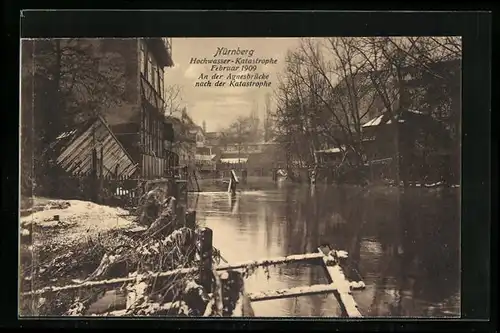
234 68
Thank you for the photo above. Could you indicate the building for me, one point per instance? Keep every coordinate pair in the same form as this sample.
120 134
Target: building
212 138
188 137
199 135
422 145
89 152
426 140
433 89
139 123
69 81
258 158
329 157
75 150
183 145
205 160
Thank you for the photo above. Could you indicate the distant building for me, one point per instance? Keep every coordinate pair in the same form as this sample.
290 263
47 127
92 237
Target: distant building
189 137
421 144
258 158
433 89
212 138
199 135
183 145
266 160
329 157
205 159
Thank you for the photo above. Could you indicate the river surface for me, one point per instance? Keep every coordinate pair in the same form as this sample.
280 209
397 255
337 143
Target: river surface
404 244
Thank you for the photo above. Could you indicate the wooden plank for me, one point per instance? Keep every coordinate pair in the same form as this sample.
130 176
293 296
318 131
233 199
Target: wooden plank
234 177
243 306
110 282
292 292
336 277
178 272
205 236
209 308
158 307
272 261
217 295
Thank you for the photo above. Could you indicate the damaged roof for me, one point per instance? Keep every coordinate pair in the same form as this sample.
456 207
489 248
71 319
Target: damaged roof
74 150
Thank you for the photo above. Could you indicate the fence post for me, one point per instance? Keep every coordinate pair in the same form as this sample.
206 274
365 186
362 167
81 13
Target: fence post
206 259
190 222
181 214
191 219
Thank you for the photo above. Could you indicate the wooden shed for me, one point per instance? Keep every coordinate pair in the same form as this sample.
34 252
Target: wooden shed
91 145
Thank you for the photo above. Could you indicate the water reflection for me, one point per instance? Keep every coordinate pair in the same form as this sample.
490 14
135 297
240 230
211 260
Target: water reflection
405 245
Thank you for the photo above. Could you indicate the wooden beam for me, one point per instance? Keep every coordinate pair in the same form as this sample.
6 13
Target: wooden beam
292 292
336 277
178 272
110 282
205 236
234 177
272 261
243 306
217 295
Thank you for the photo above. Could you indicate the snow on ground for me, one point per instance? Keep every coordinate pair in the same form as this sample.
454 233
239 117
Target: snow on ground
79 218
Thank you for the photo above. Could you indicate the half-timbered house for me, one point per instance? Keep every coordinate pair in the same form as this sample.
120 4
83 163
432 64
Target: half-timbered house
139 122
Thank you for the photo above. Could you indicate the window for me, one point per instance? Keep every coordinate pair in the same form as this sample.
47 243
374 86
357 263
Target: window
150 69
161 80
154 75
142 58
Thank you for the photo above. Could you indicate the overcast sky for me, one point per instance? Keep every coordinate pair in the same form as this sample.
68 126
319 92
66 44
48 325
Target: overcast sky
219 106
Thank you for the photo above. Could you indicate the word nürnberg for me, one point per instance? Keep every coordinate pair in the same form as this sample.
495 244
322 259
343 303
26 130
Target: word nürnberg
224 51
237 61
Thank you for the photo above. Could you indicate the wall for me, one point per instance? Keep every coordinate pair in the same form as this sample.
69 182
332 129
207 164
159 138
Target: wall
126 51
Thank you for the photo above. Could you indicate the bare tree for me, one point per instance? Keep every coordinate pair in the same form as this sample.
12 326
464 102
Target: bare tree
331 87
173 100
72 81
328 93
77 80
239 132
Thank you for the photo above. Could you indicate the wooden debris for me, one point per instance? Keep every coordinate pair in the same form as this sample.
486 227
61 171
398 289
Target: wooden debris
110 282
178 272
336 277
219 307
292 292
243 306
164 224
209 308
206 249
247 310
272 261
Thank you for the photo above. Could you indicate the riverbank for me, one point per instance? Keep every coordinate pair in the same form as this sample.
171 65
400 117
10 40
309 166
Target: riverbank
79 258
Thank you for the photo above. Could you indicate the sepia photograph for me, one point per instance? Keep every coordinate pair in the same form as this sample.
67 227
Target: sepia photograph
240 177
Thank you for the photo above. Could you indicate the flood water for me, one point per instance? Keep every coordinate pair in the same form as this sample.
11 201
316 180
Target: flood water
404 244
